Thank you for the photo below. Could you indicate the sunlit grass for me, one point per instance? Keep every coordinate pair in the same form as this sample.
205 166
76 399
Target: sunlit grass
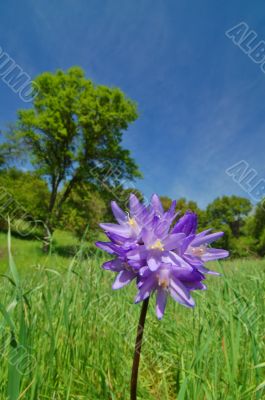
29 254
81 334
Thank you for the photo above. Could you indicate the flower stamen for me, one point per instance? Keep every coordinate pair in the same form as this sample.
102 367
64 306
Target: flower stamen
132 222
163 283
198 251
158 245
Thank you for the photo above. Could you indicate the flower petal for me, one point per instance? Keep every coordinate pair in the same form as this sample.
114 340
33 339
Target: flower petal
145 289
203 270
137 254
214 254
173 241
180 293
122 230
184 274
207 239
186 224
118 213
110 248
161 301
157 205
185 243
170 257
136 208
193 260
148 237
203 233
153 259
123 278
113 265
162 228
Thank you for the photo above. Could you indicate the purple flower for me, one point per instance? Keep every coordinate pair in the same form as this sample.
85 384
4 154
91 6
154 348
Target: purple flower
161 258
169 280
126 271
130 224
195 248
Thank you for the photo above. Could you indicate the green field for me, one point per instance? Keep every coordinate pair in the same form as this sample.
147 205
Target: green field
80 334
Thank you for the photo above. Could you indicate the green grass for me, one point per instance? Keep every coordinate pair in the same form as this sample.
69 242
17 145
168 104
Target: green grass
80 334
29 255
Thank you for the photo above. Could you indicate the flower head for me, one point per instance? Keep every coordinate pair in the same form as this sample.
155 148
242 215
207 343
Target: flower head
161 258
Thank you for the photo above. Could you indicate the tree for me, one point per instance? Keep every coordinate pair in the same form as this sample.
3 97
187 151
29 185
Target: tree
73 134
23 197
3 155
228 210
2 160
257 227
182 205
84 207
166 202
258 222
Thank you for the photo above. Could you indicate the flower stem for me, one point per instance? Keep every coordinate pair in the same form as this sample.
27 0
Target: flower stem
137 350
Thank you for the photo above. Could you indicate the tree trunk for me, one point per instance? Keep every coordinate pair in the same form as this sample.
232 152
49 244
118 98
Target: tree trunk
65 195
47 239
49 223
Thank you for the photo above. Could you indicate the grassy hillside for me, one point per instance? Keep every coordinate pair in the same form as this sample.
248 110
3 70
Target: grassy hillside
80 333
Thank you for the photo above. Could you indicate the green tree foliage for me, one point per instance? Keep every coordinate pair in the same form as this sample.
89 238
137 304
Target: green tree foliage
182 204
258 221
166 202
2 160
261 243
84 208
72 134
230 211
28 189
257 227
23 195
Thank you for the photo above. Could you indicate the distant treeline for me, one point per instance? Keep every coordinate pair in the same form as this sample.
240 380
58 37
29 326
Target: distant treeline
25 195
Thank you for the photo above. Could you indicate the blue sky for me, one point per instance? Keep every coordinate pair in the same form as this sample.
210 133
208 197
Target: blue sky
200 98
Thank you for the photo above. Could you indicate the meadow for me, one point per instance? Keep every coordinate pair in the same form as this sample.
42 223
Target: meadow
78 334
